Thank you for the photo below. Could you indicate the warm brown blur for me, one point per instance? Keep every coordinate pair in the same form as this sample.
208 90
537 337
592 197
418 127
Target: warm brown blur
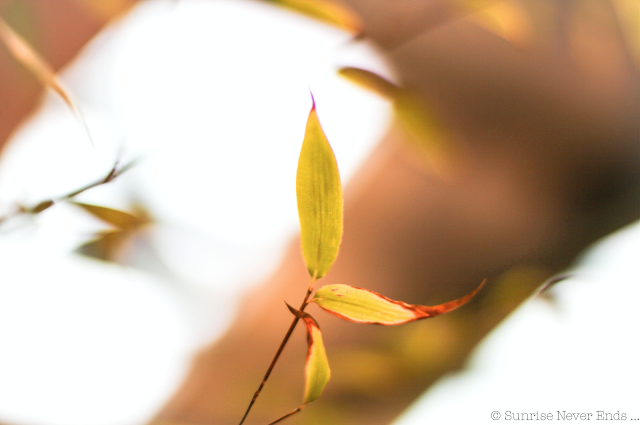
549 132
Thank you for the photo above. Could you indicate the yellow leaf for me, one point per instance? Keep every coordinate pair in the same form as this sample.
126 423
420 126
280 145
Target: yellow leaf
326 11
317 372
319 194
364 306
38 66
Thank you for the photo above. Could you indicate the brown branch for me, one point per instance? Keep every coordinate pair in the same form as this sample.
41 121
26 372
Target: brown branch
293 412
277 356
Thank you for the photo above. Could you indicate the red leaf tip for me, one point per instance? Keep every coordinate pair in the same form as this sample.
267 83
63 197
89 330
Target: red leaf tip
313 100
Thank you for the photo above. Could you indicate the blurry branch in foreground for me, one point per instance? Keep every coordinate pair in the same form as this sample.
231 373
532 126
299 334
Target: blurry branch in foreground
114 173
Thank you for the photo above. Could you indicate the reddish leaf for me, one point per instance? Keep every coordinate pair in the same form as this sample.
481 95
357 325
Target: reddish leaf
317 372
364 306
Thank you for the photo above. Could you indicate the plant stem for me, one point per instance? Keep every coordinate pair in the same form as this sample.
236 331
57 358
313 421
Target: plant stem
277 356
293 412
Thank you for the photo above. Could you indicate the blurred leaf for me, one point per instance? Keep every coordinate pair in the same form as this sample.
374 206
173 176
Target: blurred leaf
108 246
326 11
44 205
106 9
38 66
120 219
317 372
364 306
319 196
370 81
426 130
628 14
506 19
421 123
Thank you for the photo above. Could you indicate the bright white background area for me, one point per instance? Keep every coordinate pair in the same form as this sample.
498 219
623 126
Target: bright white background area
213 98
577 354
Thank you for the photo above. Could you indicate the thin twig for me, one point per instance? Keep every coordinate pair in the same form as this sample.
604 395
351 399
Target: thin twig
293 412
113 174
275 358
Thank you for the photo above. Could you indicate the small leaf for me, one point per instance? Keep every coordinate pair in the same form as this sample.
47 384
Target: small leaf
117 218
364 306
107 246
44 205
370 81
319 194
317 372
326 11
38 66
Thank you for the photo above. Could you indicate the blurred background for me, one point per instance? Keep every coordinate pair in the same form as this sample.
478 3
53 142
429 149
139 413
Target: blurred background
517 151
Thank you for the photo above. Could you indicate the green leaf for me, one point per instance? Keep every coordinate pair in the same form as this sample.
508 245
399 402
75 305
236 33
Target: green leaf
364 306
319 195
325 11
317 372
117 218
370 81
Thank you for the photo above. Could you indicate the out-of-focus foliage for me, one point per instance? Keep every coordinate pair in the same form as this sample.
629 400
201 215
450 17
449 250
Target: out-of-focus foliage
110 245
38 66
628 13
120 219
370 81
422 124
106 9
505 18
116 218
326 11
